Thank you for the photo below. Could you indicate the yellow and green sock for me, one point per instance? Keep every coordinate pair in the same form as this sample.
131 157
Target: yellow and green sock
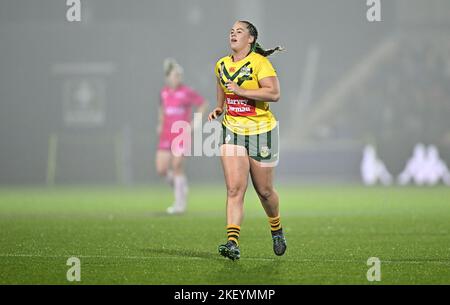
275 224
233 232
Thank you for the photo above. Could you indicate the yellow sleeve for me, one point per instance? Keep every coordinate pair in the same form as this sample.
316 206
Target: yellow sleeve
265 69
216 69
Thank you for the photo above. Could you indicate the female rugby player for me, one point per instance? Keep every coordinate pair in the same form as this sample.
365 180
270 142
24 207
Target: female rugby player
247 83
176 101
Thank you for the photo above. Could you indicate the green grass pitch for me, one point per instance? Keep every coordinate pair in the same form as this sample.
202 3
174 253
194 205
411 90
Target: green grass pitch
122 236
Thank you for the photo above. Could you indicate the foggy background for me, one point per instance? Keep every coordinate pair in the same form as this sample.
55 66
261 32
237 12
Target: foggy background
79 100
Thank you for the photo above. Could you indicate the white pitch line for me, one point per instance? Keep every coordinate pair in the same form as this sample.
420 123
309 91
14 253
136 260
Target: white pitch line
244 259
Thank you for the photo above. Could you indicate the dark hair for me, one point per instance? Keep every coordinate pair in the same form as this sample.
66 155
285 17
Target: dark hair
256 47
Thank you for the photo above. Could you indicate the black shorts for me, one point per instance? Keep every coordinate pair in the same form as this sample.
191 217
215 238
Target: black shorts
263 147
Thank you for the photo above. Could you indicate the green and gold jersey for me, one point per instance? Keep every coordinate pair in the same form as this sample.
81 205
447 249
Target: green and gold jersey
244 116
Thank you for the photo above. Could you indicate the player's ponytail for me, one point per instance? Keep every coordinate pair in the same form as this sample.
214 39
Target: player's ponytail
256 47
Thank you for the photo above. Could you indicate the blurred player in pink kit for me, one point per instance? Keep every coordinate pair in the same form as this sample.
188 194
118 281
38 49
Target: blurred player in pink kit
176 103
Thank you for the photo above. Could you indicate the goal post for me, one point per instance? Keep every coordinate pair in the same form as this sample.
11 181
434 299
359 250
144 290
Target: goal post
82 158
51 158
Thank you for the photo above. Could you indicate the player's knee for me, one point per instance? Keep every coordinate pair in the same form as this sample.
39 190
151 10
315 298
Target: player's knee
177 169
265 192
235 191
162 172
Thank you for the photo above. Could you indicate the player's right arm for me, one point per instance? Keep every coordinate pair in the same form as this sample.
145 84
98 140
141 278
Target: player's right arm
220 102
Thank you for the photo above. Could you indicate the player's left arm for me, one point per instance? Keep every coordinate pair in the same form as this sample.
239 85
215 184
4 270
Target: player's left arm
200 105
197 101
199 109
269 90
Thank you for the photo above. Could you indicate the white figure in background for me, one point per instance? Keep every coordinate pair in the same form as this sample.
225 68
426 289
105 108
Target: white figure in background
373 169
414 167
435 169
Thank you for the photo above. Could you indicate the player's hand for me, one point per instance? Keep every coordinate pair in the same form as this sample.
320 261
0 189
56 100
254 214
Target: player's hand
215 114
233 87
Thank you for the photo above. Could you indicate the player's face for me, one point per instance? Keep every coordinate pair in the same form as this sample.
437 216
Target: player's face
174 78
240 37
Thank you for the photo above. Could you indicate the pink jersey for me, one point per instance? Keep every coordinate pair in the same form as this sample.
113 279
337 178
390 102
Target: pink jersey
176 106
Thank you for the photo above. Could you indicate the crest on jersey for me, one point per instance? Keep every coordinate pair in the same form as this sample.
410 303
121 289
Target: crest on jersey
227 138
245 72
